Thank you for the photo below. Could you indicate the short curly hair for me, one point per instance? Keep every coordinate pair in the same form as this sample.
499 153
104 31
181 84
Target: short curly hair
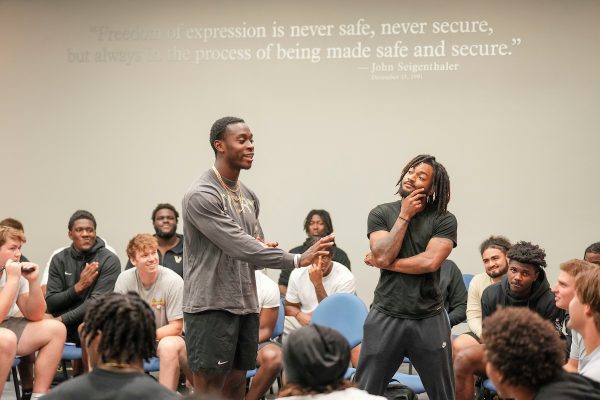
523 347
527 253
217 131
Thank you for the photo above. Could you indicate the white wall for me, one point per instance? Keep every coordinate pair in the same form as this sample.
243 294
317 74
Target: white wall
517 133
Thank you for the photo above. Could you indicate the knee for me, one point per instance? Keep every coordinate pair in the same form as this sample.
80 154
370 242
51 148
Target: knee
271 357
465 362
56 329
8 343
169 347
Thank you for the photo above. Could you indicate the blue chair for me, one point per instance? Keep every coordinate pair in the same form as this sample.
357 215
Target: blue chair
343 312
489 385
152 365
467 279
70 352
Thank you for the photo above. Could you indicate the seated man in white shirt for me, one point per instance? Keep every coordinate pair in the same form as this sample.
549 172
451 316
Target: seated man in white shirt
308 286
162 289
31 333
584 313
270 356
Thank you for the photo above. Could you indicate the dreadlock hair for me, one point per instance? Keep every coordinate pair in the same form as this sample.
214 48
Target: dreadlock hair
217 131
324 216
527 253
593 248
495 242
127 326
441 182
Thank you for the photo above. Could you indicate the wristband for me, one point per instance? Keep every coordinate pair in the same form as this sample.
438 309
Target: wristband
404 219
297 260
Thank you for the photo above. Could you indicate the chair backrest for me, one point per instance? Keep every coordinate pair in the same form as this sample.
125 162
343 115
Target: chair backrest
343 312
467 279
278 330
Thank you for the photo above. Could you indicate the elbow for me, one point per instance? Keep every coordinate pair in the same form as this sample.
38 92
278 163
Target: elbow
382 261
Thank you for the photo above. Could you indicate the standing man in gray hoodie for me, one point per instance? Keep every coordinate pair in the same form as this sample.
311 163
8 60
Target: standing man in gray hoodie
223 246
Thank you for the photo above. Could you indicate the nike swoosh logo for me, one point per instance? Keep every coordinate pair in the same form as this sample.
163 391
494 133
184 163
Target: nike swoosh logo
68 273
222 362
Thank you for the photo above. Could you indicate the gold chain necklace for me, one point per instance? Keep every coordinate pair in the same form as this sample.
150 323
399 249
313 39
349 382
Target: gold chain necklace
236 193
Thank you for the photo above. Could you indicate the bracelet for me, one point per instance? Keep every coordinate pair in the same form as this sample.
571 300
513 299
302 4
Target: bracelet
404 219
297 260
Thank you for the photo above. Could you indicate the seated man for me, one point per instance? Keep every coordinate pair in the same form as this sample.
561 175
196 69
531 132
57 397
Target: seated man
525 357
564 291
584 312
31 333
79 273
170 244
525 285
270 356
316 224
453 291
592 253
119 334
493 253
308 286
316 359
162 289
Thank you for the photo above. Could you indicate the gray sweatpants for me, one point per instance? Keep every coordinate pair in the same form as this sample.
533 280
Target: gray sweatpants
425 341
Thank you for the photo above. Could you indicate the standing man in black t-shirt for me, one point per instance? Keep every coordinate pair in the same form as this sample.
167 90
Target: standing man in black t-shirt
409 240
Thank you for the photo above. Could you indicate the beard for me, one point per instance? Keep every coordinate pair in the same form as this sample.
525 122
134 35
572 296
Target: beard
403 192
498 273
166 235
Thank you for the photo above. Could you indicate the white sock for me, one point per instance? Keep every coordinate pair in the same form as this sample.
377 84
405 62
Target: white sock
36 395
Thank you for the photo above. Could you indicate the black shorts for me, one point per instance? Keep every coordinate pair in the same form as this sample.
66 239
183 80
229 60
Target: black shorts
219 341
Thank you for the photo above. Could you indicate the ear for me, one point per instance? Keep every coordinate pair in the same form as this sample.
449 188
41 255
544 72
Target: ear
132 261
70 235
219 145
587 311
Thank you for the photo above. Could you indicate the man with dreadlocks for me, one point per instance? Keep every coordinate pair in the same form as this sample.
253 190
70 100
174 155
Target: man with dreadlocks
409 240
119 333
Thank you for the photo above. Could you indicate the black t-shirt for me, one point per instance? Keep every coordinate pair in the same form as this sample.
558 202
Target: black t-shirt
403 295
569 386
101 384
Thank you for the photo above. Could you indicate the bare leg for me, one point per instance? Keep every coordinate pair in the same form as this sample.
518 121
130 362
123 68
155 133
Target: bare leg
234 387
270 360
48 338
354 355
468 362
173 358
8 350
462 342
208 383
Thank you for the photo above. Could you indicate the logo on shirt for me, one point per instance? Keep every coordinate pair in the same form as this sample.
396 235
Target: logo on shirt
222 362
178 259
158 304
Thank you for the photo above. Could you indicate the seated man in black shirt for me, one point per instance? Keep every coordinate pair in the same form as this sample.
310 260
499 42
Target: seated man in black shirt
170 244
525 358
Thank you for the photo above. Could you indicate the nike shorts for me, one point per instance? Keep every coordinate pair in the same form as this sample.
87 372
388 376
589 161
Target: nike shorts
219 341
